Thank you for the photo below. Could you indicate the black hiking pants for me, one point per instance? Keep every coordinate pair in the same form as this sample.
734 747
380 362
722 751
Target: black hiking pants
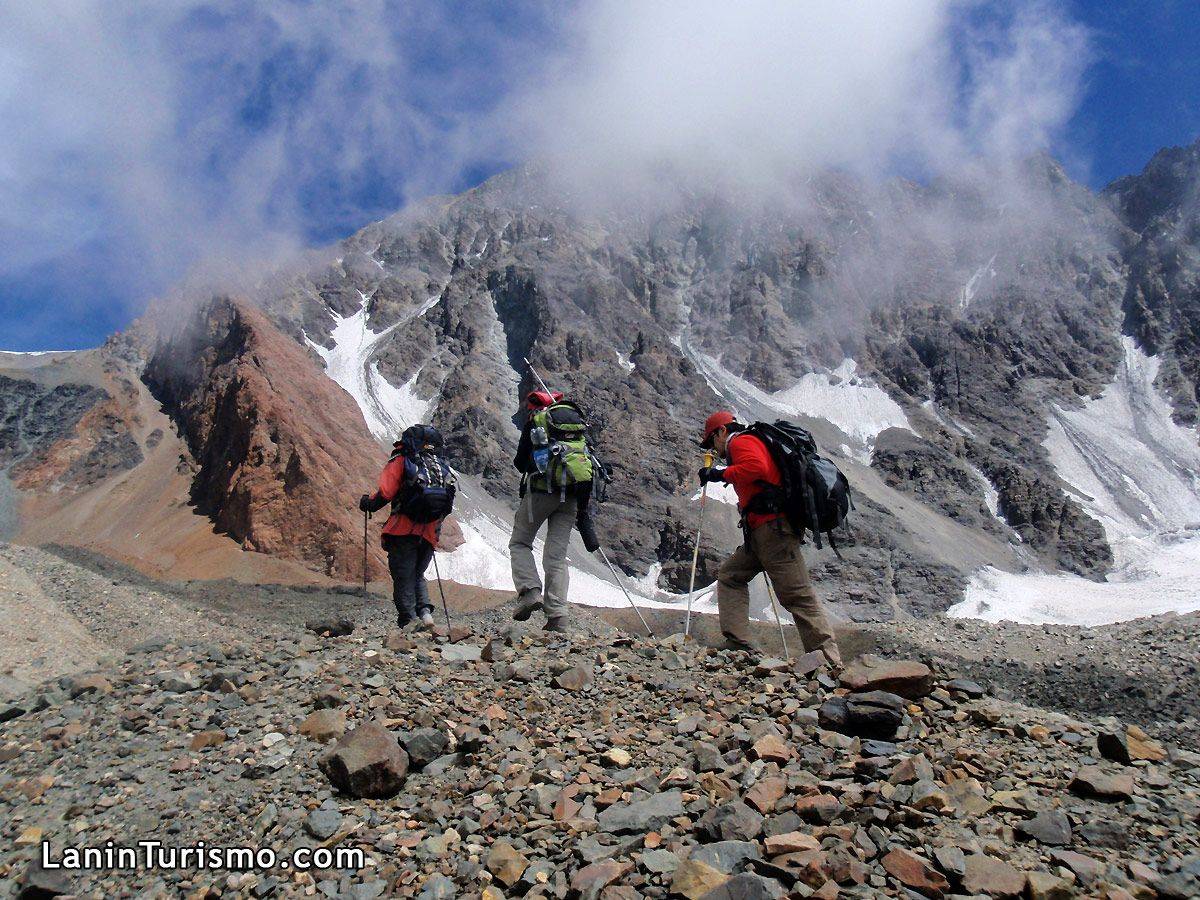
408 558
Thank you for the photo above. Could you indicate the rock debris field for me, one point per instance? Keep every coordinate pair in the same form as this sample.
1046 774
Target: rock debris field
500 762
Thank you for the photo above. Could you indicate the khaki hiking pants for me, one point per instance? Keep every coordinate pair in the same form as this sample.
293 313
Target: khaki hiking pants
773 548
538 508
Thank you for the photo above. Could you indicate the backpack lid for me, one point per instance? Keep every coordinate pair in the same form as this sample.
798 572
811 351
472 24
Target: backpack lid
535 400
420 437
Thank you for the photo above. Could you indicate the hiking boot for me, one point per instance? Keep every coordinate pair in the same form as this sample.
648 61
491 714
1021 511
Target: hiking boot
732 643
403 623
558 626
427 619
529 603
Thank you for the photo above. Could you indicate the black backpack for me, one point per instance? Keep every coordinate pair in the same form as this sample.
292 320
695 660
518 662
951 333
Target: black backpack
428 491
814 495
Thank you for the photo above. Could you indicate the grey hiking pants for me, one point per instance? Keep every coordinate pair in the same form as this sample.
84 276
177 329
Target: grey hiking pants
773 548
538 508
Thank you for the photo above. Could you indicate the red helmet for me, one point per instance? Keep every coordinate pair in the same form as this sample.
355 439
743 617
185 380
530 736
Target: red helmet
540 399
718 419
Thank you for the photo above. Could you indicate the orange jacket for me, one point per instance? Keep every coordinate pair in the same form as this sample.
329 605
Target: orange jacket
391 479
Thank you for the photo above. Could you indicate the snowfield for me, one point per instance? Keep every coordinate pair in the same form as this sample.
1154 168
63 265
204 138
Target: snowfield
851 403
388 409
1138 474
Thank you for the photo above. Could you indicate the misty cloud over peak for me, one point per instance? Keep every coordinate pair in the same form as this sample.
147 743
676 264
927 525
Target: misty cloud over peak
750 95
145 141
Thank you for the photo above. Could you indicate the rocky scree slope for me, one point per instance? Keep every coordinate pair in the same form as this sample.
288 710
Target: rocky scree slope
523 764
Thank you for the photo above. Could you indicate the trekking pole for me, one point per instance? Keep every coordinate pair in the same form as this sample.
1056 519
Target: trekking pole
621 585
366 517
778 620
441 589
687 624
534 373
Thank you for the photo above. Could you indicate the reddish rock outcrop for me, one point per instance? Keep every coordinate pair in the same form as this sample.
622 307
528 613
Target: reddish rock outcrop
282 452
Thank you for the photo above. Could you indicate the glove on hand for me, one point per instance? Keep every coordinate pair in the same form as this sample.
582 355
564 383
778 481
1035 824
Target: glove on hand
364 503
710 474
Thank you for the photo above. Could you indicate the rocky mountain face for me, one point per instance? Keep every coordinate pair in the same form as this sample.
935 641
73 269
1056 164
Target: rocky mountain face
1162 297
277 447
57 434
973 310
927 334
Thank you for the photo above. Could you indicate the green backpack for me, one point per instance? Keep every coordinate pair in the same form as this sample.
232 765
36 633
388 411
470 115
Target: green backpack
560 449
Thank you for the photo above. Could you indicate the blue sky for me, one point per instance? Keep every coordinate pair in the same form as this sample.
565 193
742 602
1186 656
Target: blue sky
147 141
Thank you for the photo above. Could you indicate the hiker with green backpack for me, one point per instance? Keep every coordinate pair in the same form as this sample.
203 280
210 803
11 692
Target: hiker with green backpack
557 474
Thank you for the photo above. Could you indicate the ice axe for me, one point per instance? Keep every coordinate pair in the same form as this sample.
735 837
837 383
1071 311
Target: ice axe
687 626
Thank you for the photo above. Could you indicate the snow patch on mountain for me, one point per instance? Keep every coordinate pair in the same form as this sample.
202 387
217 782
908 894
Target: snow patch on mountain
846 400
971 288
483 560
1138 474
388 409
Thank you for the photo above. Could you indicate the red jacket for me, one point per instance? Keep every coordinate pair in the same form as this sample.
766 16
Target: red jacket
750 462
391 479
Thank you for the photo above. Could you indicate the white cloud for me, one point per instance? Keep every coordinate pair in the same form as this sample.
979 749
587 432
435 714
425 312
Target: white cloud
751 94
149 137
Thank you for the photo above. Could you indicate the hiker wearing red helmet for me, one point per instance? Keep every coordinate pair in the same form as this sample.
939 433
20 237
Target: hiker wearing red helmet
772 545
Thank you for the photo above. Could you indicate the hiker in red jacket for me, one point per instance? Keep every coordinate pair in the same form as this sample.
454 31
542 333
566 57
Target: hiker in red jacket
418 484
772 545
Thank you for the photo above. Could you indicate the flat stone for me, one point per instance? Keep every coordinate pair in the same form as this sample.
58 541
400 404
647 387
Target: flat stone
914 872
648 814
660 862
424 745
323 823
733 821
875 715
1093 781
461 653
1085 868
951 860
1044 886
438 887
771 748
330 627
810 662
906 678
91 683
1128 746
590 881
769 665
790 842
506 863
1050 827
708 757
993 877
747 886
819 809
766 793
972 689
726 856
693 879
575 678
324 725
